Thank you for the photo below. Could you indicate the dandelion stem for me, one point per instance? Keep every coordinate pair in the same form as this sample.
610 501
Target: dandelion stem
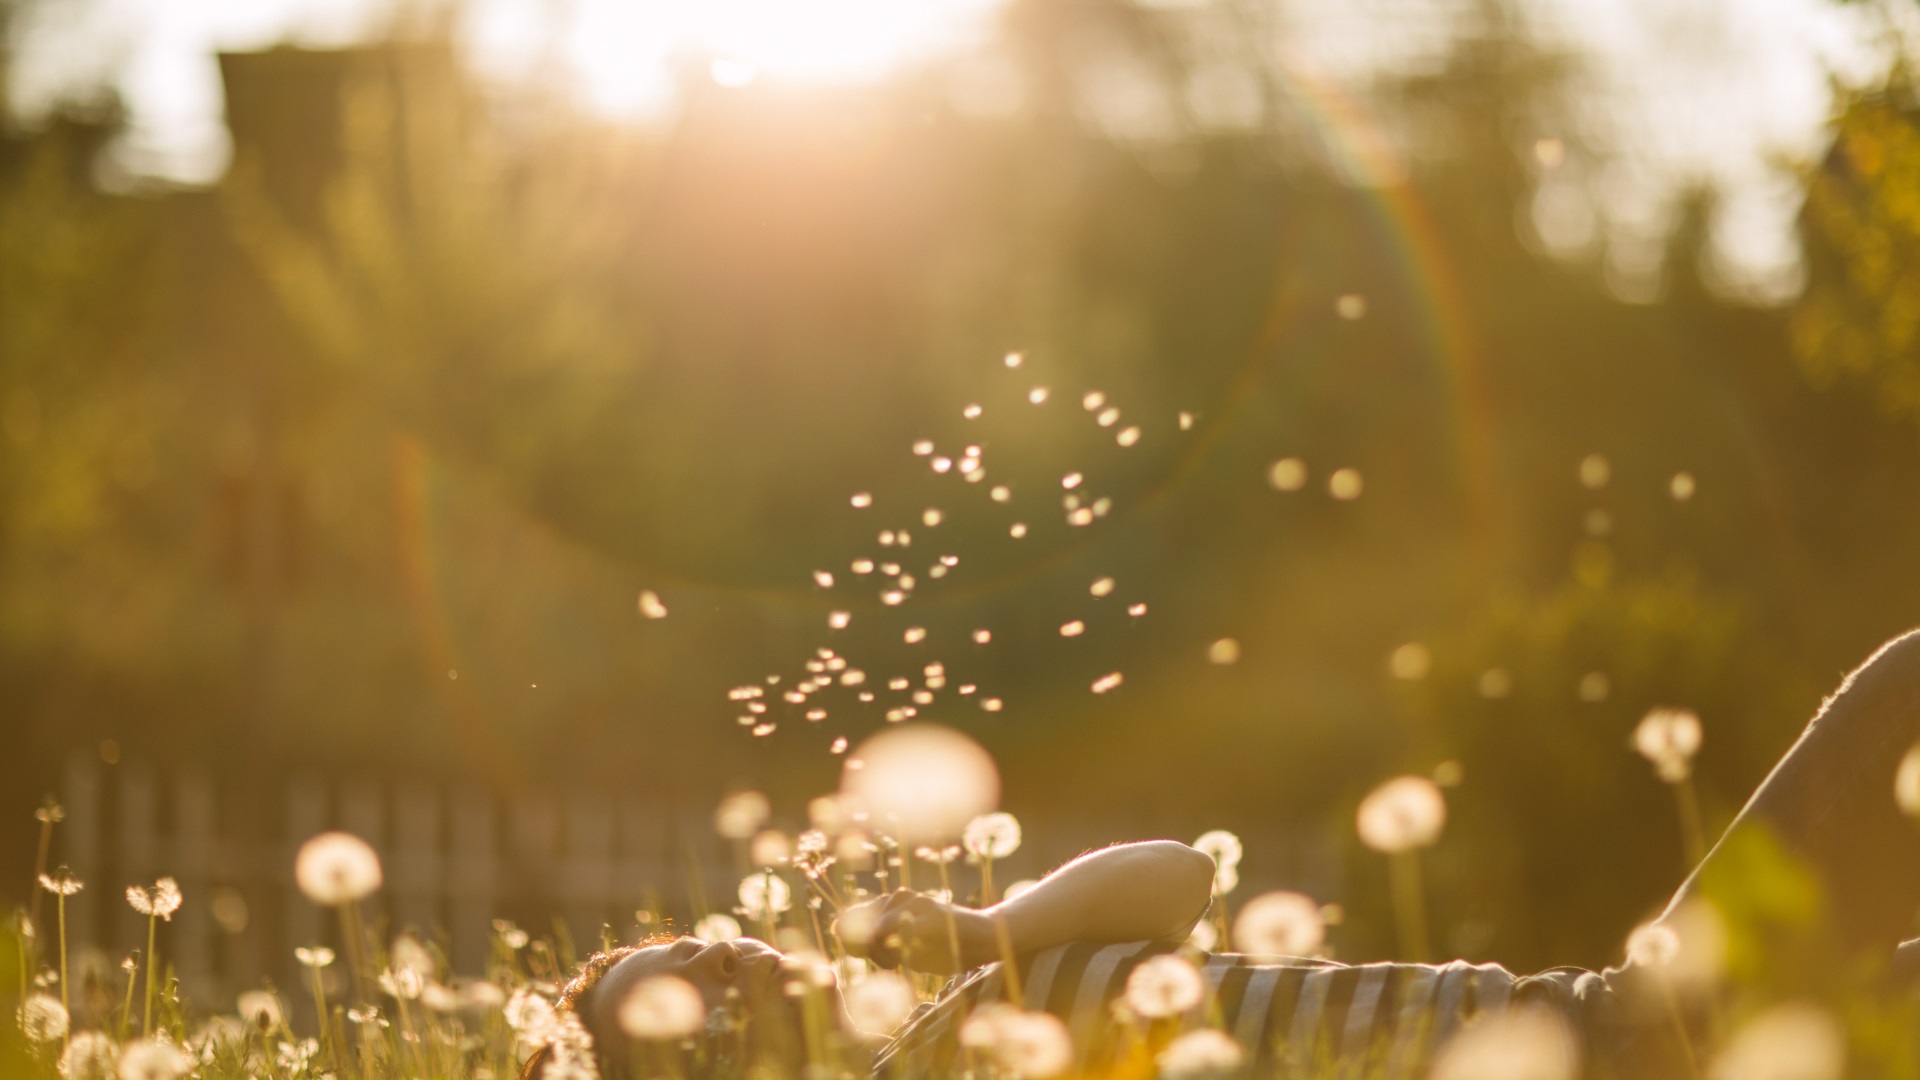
146 1012
350 930
320 1009
1680 1028
126 1010
953 927
1409 907
1009 963
39 873
1693 834
986 881
60 906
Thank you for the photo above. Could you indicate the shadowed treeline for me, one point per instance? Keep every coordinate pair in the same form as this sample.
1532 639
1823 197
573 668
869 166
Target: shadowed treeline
359 459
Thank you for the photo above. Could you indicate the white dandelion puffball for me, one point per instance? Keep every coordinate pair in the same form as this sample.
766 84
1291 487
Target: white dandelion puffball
1034 1045
1221 846
89 1056
337 868
43 1019
718 926
1669 738
1796 1041
1164 986
160 901
1200 1053
1906 783
879 1002
1687 949
1519 1044
153 1059
740 815
923 781
992 836
662 1007
764 896
1402 814
1280 924
260 1008
1653 945
531 1015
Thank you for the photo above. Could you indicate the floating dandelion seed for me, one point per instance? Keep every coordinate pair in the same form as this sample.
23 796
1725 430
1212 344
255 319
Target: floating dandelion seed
839 746
650 605
1128 435
891 569
897 684
662 1007
741 814
1594 687
914 635
971 412
336 868
1280 924
1796 1041
1082 516
942 464
1102 587
853 677
879 1002
1595 471
1000 493
1202 1053
1681 487
1345 484
1107 417
936 571
1017 530
863 566
1186 420
1288 474
816 714
1107 682
1093 400
1037 395
922 697
1495 683
1653 945
764 895
1518 1044
838 620
823 578
1071 481
949 560
930 517
761 731
1410 662
886 538
1402 814
903 538
1669 738
935 670
892 597
992 704
1225 651
1223 847
1164 986
862 500
1013 359
1073 629
1137 610
1101 505
1031 1045
923 448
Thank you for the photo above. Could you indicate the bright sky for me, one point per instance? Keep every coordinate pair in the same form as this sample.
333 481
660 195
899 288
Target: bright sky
1677 92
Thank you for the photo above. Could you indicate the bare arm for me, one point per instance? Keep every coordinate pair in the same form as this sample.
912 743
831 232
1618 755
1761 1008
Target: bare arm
1153 889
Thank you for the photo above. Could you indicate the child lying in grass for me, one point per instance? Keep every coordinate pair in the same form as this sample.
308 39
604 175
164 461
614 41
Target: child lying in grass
1097 976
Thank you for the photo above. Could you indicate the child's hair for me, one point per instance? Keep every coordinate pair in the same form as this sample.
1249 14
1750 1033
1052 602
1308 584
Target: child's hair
573 998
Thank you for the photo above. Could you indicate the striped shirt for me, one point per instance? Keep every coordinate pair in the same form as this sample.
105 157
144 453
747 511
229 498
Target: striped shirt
1285 1012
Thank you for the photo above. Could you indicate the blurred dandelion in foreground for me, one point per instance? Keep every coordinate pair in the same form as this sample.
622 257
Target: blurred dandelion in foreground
1107 682
89 1056
926 779
717 926
1223 847
1206 1052
1288 474
1403 814
159 901
1595 471
1164 986
1205 937
764 895
1519 1044
337 868
1795 1041
1345 484
153 1059
650 605
1280 924
1093 400
740 815
1128 436
662 1007
823 578
770 847
1410 662
43 1019
879 1002
992 836
1224 652
1034 1045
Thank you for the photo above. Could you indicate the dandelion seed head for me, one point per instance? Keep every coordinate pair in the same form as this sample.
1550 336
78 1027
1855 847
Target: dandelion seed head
1032 1045
1280 924
741 814
932 780
879 1002
992 836
61 882
861 500
942 464
1082 516
1164 986
1203 1053
1403 814
1681 487
1345 484
337 868
318 956
1653 945
650 605
1221 846
1073 629
259 1008
89 1056
1410 662
1128 436
1669 738
43 1019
